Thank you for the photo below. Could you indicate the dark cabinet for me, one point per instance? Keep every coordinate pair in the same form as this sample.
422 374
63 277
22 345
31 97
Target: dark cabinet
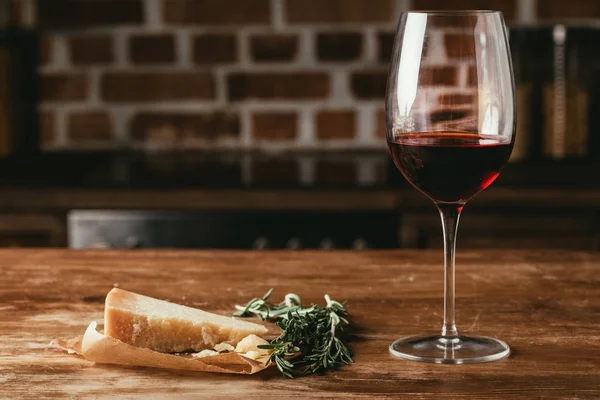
509 229
292 230
32 230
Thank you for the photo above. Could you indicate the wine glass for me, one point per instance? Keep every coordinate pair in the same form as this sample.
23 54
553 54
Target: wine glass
450 119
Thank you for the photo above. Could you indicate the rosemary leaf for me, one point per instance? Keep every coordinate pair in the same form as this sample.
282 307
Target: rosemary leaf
310 340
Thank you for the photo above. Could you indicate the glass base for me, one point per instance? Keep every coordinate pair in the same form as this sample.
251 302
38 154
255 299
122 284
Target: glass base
450 350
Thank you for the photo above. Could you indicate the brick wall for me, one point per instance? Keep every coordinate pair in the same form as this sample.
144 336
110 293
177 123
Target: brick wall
270 74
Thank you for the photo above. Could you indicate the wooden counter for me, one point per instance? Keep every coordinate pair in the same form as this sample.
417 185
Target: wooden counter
546 305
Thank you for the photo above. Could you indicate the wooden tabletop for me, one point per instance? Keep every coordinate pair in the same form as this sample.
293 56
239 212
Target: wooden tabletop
546 305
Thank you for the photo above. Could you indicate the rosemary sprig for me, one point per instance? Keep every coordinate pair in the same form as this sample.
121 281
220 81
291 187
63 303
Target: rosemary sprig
310 338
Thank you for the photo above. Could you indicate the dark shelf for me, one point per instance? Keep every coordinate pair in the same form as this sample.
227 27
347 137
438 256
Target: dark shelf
229 170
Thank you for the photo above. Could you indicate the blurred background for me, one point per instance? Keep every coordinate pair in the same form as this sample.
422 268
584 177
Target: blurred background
259 124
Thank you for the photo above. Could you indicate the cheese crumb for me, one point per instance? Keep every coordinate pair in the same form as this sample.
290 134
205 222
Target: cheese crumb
205 353
250 343
255 355
221 347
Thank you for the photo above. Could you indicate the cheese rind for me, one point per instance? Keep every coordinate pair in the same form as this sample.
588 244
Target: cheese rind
143 321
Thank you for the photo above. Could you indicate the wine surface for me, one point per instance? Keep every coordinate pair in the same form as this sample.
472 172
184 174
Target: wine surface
450 167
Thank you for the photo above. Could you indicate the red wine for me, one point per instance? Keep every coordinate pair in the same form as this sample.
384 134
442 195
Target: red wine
450 167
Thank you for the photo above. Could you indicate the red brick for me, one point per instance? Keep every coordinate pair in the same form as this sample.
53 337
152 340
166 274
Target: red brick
561 9
460 46
46 49
339 11
386 44
176 126
64 87
89 125
472 78
452 99
17 13
273 86
331 172
91 49
274 126
217 12
380 127
369 84
508 7
338 124
270 48
339 46
438 76
449 115
66 14
214 48
152 49
47 126
466 22
122 87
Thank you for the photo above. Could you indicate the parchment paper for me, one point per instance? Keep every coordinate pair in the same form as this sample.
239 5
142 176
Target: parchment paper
96 347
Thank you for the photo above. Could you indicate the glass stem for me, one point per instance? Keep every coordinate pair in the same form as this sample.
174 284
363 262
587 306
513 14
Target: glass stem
450 214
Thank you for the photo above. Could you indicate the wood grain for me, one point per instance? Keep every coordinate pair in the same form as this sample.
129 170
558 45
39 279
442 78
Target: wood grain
545 304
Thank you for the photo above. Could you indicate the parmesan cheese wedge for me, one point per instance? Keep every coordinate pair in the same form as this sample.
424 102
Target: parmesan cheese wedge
158 325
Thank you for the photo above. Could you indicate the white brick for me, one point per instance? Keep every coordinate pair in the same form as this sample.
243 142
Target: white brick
527 10
153 14
183 48
306 127
277 15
